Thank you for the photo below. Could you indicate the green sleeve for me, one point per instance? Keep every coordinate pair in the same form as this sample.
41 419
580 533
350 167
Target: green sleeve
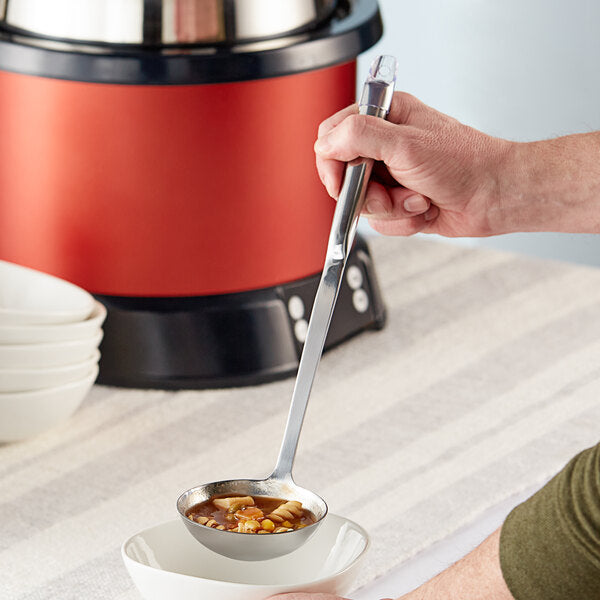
550 544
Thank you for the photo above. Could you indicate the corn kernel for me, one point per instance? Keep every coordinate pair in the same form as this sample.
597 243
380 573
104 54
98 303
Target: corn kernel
268 525
286 524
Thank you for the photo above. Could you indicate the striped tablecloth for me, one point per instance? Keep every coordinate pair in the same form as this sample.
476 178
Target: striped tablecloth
485 381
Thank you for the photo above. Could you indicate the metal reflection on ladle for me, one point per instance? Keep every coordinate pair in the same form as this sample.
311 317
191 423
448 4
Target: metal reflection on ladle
376 99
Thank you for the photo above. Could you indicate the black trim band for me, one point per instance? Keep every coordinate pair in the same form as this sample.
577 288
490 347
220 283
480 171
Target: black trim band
228 340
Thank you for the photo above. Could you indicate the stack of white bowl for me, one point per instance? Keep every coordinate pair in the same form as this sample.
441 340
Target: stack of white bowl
50 331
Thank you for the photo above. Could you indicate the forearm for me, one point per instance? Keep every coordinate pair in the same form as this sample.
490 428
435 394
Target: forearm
551 185
477 576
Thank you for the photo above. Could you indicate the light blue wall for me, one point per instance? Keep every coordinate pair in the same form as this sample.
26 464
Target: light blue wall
520 69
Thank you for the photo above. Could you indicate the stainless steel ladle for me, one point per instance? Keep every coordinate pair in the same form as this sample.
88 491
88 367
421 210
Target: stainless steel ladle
375 100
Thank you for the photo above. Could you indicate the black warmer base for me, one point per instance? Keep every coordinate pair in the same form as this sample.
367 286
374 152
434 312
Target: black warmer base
229 340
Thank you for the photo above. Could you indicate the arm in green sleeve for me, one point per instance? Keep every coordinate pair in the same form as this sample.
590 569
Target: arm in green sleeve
550 544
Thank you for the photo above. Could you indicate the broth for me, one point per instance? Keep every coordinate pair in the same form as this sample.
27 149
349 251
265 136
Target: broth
251 514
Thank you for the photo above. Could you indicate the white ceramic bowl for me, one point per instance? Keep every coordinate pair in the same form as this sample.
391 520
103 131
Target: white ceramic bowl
166 562
29 296
54 332
46 355
25 414
24 380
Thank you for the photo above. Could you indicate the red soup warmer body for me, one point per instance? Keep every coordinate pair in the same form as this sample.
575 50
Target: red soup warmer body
176 182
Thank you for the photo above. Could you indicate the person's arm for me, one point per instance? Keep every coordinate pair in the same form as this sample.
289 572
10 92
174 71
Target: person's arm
553 185
443 177
477 576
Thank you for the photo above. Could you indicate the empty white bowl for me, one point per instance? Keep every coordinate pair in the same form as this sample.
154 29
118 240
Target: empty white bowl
54 332
23 380
50 354
25 414
166 562
29 296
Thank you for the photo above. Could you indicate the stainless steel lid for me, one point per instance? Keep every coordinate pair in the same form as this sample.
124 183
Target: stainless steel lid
354 26
163 22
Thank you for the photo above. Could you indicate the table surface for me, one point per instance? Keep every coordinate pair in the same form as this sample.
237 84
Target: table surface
483 384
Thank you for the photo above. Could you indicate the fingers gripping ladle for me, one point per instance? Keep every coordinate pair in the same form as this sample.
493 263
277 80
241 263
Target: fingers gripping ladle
375 100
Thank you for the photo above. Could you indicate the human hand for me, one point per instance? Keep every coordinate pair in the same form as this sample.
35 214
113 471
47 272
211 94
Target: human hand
435 174
309 596
306 596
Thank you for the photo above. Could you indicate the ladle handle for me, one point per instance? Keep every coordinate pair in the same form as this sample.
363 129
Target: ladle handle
375 100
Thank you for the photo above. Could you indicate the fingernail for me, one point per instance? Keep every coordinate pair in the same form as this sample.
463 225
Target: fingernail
375 207
322 145
416 204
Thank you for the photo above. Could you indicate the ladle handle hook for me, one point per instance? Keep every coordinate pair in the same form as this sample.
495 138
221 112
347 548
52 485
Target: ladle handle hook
375 100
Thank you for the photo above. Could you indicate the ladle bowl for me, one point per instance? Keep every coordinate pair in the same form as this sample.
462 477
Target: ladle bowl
243 546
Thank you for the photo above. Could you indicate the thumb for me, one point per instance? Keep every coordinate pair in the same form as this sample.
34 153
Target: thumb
361 135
